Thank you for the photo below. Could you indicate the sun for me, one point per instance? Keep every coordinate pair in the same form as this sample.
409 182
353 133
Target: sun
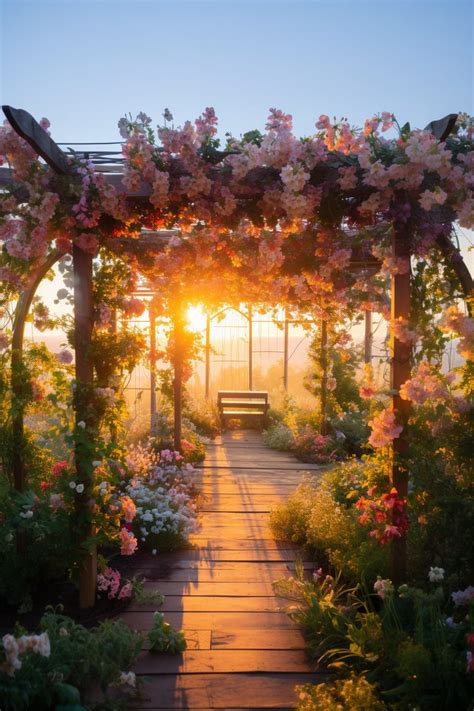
196 318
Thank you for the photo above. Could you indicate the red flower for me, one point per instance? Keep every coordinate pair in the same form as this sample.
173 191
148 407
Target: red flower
58 468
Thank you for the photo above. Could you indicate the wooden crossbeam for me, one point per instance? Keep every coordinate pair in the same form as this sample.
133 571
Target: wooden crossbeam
28 128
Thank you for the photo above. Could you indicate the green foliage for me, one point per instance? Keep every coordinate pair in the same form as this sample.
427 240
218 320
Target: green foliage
163 638
47 546
78 657
354 693
204 418
312 516
342 363
279 437
353 425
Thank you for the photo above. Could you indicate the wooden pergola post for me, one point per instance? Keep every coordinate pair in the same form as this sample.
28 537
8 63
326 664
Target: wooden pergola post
400 370
85 419
17 375
324 375
250 378
368 338
285 351
178 329
207 355
152 317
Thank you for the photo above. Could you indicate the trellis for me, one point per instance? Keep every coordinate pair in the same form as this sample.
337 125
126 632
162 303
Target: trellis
26 126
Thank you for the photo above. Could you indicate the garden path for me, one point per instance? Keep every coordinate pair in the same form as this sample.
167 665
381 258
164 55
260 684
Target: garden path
243 653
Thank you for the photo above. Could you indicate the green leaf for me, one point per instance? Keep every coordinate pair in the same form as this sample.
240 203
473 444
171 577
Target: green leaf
68 694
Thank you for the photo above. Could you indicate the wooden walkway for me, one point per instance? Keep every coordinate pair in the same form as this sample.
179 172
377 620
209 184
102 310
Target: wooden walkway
243 652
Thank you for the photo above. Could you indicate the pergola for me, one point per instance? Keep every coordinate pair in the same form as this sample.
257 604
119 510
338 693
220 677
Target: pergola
151 242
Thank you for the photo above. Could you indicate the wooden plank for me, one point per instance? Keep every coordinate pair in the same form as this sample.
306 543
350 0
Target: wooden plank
210 556
222 575
230 544
225 691
221 571
216 589
215 621
259 639
224 661
211 603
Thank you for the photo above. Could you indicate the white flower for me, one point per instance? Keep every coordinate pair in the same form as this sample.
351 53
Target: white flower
383 587
72 484
79 488
63 632
96 463
153 551
128 678
9 537
436 575
82 424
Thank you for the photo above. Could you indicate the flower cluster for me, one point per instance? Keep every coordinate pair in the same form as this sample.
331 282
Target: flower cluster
426 383
13 648
164 506
110 582
386 516
383 587
384 429
454 321
258 201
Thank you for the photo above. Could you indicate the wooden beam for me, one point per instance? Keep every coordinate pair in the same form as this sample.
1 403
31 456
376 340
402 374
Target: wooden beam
152 369
207 353
28 128
17 376
324 376
250 366
85 421
441 128
400 371
178 325
368 336
285 351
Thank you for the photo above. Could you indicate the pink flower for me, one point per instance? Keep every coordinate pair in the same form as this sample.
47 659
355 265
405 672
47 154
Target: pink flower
129 543
384 429
87 242
366 392
403 333
126 591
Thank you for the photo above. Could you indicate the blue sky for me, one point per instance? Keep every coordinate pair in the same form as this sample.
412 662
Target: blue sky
84 64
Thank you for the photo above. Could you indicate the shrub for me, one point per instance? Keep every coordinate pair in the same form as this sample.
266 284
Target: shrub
310 446
57 668
353 425
354 693
163 638
312 516
278 437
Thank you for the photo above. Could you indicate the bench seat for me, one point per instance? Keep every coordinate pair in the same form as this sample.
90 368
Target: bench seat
240 404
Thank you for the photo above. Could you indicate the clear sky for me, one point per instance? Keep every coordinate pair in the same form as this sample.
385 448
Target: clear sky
84 63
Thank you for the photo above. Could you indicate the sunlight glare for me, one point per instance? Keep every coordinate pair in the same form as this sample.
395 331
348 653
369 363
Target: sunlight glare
196 318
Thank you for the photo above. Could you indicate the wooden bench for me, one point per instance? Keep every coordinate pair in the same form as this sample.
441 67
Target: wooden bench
242 404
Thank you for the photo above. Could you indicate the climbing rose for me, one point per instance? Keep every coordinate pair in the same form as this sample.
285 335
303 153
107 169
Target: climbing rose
128 542
384 429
